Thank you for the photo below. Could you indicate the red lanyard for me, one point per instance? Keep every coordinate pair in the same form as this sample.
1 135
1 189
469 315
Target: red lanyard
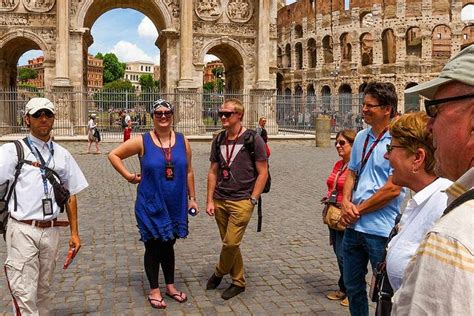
166 151
365 158
227 155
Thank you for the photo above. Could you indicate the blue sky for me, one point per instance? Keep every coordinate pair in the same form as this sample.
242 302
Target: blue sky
131 36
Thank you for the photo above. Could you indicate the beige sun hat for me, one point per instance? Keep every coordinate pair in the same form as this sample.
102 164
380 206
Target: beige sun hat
36 104
459 68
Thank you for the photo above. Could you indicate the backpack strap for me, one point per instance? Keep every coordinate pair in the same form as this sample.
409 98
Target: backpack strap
466 196
19 165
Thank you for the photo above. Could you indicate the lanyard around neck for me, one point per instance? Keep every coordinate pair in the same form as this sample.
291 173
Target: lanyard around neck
44 164
365 157
166 151
228 155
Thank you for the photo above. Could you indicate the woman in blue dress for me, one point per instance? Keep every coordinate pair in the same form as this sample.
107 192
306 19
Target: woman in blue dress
164 194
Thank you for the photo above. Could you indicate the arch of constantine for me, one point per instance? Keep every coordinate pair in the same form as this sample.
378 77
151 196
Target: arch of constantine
242 33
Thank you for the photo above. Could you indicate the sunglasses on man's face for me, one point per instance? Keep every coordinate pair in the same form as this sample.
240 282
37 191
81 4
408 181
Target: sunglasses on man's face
166 114
225 114
432 106
38 114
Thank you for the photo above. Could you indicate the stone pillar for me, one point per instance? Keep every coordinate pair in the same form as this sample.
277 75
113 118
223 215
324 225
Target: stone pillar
186 44
188 112
62 97
323 131
62 46
167 43
262 103
263 63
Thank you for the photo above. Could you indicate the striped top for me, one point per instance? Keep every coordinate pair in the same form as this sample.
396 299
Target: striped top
439 280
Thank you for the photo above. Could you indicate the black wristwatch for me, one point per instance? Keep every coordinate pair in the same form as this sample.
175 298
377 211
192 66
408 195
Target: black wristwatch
253 200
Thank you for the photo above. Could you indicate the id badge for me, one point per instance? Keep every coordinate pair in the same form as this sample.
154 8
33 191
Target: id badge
226 174
169 172
47 207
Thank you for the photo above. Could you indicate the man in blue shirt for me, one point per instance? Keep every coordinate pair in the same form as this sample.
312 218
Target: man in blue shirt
371 201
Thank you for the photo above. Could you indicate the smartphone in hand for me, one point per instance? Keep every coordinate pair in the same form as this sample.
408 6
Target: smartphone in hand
70 256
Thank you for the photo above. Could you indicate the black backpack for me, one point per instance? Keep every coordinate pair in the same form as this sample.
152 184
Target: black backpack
249 144
6 190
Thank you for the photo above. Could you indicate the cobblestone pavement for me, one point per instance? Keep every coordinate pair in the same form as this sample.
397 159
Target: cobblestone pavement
289 265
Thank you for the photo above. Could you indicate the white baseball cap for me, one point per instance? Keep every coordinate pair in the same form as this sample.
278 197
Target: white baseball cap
36 104
459 68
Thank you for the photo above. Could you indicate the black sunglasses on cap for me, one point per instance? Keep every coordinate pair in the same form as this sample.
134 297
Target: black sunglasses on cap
38 114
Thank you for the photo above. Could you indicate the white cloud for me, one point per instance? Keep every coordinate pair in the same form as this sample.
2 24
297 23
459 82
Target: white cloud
467 13
209 58
156 59
147 29
127 51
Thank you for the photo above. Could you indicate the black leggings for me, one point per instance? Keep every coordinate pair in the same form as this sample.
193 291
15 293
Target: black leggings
159 252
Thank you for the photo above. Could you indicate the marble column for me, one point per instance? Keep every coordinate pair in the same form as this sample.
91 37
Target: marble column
263 64
62 46
186 44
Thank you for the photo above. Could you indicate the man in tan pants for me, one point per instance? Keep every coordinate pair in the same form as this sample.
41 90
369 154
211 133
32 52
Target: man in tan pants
32 235
235 181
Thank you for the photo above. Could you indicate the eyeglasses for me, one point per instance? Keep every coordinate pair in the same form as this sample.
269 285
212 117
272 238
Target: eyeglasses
390 147
432 106
225 114
38 114
371 106
340 142
166 114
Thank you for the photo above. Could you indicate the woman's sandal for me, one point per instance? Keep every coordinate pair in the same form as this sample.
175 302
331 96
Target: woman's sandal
161 304
178 297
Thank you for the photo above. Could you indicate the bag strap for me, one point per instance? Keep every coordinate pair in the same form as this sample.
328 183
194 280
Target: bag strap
19 165
466 196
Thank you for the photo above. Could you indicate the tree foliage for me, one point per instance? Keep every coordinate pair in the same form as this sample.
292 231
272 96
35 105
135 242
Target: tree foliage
24 74
113 68
146 82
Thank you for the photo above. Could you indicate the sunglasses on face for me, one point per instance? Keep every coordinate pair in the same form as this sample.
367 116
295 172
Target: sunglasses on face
340 142
225 114
390 147
166 114
38 114
432 106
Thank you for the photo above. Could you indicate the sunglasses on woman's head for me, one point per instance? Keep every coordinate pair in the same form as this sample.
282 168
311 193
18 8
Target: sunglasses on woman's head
340 142
38 114
225 114
166 114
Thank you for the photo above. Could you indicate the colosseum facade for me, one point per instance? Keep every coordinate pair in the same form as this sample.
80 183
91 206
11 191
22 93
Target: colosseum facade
328 50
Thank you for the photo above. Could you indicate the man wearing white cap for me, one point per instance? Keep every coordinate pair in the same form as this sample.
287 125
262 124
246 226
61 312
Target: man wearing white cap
439 280
32 235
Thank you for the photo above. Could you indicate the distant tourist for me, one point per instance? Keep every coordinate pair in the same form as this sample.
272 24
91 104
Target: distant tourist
93 134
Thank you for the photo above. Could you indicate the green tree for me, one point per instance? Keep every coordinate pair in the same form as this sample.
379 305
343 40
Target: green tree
27 73
113 68
119 94
218 72
119 85
208 86
146 82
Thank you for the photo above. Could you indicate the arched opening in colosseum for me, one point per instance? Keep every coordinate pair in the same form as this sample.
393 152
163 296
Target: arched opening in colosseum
467 36
311 51
299 55
346 47
233 65
298 31
326 99
327 50
311 99
94 9
366 20
412 101
413 42
298 100
389 47
441 39
345 100
279 82
366 49
361 94
287 59
279 57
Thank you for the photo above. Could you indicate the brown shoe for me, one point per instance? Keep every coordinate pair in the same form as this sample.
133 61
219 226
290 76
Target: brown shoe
336 295
213 282
232 291
345 302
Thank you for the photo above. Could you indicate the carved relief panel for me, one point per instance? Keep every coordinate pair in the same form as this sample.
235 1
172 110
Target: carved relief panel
38 5
208 10
8 5
239 10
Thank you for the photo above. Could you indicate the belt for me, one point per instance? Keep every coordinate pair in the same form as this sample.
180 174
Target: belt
43 224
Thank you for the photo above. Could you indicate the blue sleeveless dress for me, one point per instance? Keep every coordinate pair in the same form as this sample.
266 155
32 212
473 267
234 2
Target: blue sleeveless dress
161 205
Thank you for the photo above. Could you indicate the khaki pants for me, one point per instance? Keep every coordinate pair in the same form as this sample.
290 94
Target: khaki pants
31 258
232 218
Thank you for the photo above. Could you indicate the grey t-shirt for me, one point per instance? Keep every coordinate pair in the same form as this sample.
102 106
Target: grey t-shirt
242 169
